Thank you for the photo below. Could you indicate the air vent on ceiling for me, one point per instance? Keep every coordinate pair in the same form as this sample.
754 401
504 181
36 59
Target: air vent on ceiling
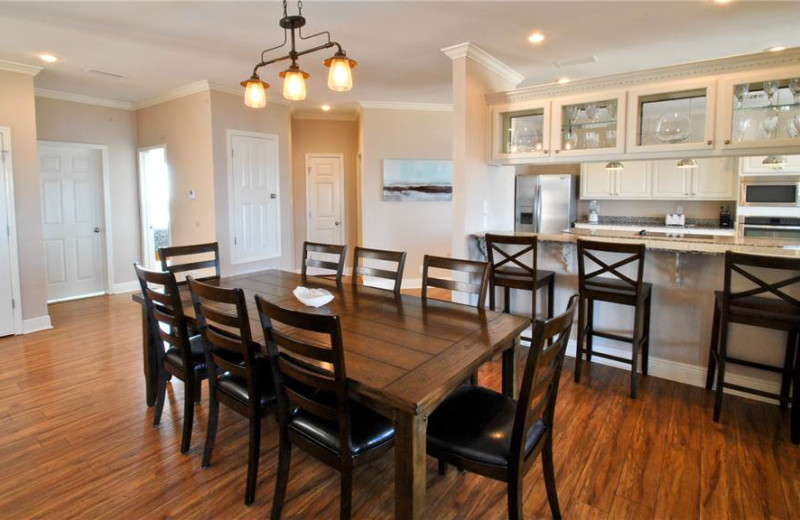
563 64
104 73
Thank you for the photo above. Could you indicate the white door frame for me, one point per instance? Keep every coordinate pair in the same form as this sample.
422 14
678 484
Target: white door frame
340 156
13 252
106 192
142 213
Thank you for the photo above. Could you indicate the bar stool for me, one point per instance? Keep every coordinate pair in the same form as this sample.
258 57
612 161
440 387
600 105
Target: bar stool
619 289
509 270
781 312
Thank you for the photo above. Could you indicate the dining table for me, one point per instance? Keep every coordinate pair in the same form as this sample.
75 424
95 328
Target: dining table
403 355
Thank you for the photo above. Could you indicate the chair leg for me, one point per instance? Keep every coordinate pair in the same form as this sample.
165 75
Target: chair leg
346 506
506 300
198 389
713 349
284 461
550 478
589 329
637 334
188 413
211 433
492 295
252 459
796 400
515 497
161 395
442 468
646 333
786 380
579 344
551 299
721 359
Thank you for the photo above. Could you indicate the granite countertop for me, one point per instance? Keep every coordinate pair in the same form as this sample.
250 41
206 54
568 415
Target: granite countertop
697 223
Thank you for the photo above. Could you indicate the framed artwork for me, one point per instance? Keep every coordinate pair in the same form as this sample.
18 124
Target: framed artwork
417 180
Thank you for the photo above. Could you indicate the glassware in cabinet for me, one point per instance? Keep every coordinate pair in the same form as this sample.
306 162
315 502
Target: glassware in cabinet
520 131
589 126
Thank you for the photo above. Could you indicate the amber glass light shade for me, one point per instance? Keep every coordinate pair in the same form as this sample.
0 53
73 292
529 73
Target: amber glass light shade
294 83
255 92
340 75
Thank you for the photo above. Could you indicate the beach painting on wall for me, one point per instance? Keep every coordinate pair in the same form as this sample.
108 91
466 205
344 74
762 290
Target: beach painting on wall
417 180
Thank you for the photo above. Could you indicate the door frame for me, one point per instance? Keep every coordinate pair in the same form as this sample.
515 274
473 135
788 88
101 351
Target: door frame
140 178
105 192
340 156
13 250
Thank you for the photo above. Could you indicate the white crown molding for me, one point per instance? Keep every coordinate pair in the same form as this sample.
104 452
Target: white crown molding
729 65
399 105
239 92
80 98
176 93
21 68
471 51
318 115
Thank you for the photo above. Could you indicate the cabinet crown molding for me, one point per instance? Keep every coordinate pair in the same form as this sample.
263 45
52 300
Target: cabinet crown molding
471 51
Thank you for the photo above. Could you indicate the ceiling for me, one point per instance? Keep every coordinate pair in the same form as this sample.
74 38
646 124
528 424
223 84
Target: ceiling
159 46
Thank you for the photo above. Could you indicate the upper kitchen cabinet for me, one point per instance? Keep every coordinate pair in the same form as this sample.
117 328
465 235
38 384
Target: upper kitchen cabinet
761 110
589 125
520 131
672 117
760 164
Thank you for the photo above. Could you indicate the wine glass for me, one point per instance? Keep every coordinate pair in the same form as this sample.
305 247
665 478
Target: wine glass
769 127
611 108
570 140
572 113
771 89
740 91
792 129
794 88
742 126
592 111
673 127
592 140
611 138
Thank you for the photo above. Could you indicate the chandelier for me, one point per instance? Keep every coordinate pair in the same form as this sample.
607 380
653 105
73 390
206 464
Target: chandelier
340 75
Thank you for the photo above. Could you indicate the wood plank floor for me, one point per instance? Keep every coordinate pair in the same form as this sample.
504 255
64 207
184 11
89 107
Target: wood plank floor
77 441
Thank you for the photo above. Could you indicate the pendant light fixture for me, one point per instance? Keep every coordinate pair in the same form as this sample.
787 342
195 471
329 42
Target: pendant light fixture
775 162
615 166
340 75
686 164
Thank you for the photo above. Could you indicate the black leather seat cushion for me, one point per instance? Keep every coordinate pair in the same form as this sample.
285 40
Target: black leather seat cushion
236 387
773 309
475 423
368 429
198 345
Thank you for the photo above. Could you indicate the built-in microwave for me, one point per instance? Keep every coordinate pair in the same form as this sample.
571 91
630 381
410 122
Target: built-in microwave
770 191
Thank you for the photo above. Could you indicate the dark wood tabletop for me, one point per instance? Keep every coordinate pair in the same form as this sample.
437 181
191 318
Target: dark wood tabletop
404 355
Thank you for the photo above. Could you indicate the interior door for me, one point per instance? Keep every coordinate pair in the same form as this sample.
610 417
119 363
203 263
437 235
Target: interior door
324 199
72 218
6 302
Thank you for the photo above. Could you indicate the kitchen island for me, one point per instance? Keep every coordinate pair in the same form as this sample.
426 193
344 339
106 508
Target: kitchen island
685 270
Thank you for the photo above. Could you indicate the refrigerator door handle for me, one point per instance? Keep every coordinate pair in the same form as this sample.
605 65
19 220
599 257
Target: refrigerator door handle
538 208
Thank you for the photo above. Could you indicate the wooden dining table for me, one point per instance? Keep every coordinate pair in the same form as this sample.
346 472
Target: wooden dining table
403 355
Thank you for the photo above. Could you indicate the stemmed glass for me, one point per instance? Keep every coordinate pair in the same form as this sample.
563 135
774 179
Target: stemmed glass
769 127
611 108
771 89
572 113
742 126
794 88
740 91
592 112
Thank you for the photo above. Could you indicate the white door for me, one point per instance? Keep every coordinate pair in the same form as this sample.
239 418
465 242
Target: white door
72 218
669 181
715 179
6 301
324 199
154 196
596 181
633 181
255 197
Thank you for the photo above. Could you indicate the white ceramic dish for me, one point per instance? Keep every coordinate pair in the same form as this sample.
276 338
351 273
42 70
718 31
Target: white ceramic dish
312 297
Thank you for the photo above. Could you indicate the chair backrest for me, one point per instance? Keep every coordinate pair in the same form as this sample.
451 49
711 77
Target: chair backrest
162 302
537 397
330 249
625 254
742 264
308 370
169 254
398 257
508 254
222 319
476 270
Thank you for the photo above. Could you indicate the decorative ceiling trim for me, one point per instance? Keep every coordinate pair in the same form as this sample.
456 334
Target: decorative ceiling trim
80 98
480 56
21 68
176 93
333 115
399 105
239 91
730 65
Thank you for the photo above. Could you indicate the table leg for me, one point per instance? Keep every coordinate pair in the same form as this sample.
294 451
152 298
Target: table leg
150 361
409 465
510 369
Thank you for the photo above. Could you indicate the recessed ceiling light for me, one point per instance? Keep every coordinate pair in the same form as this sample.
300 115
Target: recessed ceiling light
536 37
776 48
325 108
722 1
48 58
563 80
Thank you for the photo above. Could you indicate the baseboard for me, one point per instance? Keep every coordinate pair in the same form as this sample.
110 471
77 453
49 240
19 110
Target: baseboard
36 324
125 287
682 372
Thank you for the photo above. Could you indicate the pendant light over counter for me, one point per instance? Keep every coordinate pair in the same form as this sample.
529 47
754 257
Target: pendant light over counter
340 73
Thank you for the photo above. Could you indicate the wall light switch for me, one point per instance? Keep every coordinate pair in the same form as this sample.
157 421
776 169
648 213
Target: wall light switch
192 194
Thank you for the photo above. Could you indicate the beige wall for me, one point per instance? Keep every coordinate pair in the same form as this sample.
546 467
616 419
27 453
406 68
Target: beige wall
116 128
229 113
184 126
415 227
18 112
334 137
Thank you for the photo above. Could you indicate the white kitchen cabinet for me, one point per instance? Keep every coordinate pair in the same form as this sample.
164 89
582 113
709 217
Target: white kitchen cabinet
520 132
715 179
632 182
669 181
754 164
589 125
596 181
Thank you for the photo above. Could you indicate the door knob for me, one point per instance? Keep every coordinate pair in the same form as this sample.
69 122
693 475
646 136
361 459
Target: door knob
273 195
97 230
336 223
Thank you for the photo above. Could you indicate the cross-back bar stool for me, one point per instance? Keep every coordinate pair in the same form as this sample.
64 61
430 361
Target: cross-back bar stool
508 257
618 288
765 304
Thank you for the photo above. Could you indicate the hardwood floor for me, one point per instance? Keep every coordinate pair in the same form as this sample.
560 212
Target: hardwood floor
76 440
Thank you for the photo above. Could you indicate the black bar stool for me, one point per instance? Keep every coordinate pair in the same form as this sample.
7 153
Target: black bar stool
780 312
509 270
617 288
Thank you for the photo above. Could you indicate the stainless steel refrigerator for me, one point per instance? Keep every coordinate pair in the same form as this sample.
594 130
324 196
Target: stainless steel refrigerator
545 203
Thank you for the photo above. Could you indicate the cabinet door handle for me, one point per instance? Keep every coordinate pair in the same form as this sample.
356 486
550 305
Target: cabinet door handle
709 142
545 151
558 151
727 141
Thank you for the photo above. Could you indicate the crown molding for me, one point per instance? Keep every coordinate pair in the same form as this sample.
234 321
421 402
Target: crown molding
176 93
80 98
714 67
400 105
471 51
334 115
239 91
21 68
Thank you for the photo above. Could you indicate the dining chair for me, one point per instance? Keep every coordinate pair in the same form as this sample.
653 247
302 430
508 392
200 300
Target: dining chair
239 374
485 432
315 412
398 257
184 356
198 262
329 249
477 271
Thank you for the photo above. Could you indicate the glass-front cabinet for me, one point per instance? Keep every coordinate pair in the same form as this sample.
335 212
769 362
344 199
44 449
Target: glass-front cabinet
761 111
521 131
591 125
673 117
